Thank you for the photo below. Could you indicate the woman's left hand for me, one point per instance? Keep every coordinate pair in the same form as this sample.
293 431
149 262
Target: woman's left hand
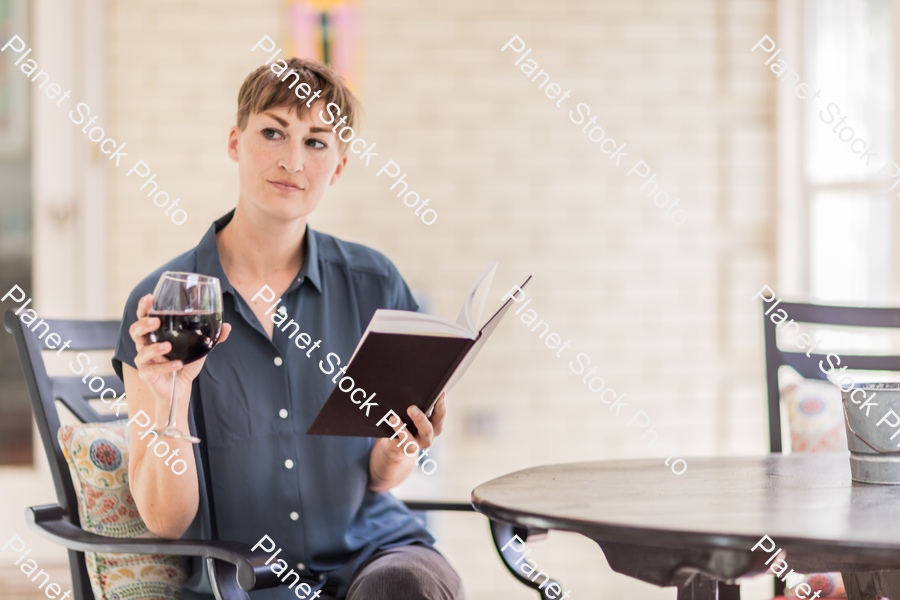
427 428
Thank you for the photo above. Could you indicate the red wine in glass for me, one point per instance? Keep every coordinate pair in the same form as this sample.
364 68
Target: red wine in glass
189 308
192 334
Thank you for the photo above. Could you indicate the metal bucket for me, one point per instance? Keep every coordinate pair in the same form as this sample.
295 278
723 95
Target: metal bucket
874 456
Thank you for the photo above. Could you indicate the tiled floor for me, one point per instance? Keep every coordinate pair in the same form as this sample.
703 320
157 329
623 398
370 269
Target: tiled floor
14 585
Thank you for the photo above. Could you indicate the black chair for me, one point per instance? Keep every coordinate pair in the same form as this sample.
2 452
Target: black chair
808 367
233 568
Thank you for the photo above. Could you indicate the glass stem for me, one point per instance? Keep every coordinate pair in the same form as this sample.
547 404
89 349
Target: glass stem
170 422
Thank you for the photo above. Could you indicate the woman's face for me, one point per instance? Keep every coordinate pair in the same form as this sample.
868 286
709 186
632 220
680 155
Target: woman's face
285 164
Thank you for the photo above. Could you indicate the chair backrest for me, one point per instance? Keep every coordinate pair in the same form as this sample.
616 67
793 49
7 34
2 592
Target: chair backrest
74 395
808 367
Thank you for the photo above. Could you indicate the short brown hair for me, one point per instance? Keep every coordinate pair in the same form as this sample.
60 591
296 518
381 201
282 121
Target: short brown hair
263 89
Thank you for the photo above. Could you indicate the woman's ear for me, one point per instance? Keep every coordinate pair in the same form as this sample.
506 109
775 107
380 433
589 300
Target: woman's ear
233 138
342 162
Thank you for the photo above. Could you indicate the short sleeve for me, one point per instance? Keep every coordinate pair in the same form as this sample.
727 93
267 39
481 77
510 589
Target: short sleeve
400 296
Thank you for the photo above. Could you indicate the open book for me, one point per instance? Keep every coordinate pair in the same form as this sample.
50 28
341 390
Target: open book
408 358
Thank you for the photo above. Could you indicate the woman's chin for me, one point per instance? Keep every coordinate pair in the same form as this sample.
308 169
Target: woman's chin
276 206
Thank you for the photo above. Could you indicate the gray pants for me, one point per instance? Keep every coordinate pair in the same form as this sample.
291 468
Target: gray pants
405 573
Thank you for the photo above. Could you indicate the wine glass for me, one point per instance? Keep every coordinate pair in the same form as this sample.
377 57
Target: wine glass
189 308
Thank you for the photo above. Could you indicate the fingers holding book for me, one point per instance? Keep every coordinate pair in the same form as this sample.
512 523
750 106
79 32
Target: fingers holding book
428 429
408 445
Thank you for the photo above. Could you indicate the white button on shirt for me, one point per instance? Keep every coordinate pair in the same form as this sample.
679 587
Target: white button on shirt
283 413
300 566
295 515
289 464
278 361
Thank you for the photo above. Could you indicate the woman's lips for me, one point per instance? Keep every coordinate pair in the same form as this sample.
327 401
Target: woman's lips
285 186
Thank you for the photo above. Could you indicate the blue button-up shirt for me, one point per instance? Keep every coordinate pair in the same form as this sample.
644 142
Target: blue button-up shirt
256 397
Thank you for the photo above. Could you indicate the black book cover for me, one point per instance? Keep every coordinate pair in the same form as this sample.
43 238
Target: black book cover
401 370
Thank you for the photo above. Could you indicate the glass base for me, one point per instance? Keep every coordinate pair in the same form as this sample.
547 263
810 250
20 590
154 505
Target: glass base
172 433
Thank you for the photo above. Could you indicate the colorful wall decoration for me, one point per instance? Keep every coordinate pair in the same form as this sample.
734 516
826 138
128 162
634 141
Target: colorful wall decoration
329 31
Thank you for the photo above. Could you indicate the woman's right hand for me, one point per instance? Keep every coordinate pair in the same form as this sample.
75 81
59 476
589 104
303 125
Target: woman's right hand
152 365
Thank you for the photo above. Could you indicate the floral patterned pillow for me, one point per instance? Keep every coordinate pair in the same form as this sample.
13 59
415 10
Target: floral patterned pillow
814 410
829 585
97 454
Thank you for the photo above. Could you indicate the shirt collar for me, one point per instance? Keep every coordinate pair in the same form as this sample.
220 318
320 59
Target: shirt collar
310 269
209 263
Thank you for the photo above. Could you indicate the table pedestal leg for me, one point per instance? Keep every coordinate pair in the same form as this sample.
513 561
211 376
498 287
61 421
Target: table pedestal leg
703 588
870 585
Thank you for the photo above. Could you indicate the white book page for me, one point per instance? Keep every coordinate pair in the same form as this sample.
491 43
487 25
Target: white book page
409 322
474 305
416 323
486 332
406 321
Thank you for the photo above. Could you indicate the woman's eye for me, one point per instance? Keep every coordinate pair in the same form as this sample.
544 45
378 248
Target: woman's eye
271 134
311 142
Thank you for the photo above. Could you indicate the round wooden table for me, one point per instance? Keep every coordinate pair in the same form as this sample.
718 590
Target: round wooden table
696 530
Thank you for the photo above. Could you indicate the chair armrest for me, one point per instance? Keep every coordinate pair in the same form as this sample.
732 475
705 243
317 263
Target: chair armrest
250 571
49 521
500 533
